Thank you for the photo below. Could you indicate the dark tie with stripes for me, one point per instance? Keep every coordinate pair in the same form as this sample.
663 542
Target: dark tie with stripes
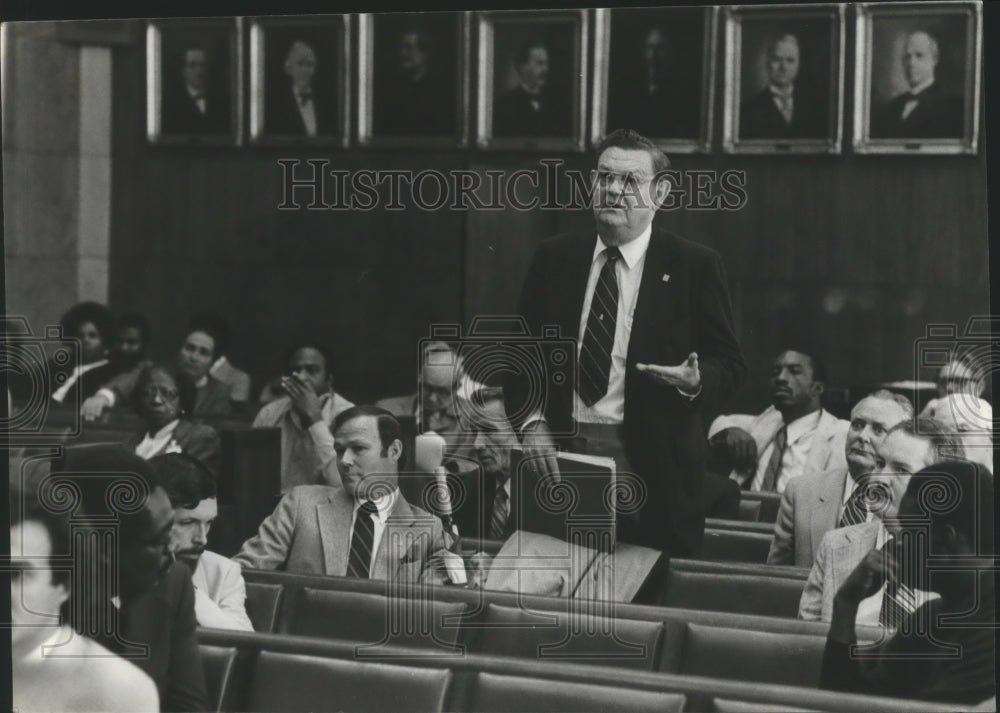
363 536
501 511
855 512
774 462
599 338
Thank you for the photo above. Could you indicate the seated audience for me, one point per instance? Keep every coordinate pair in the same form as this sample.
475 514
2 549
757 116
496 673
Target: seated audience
793 436
908 447
364 528
53 668
93 325
153 603
130 355
222 369
960 407
305 414
815 503
219 592
164 398
945 650
195 358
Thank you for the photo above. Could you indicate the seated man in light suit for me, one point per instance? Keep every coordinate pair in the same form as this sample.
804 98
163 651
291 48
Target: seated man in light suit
791 437
363 529
816 502
909 447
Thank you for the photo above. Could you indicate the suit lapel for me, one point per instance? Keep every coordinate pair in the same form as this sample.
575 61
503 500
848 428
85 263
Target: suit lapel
826 507
393 545
655 296
334 519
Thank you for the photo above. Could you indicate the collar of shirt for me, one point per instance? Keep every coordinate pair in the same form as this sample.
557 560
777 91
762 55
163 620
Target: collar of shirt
220 363
802 425
194 93
632 251
384 505
78 371
922 87
200 383
782 93
165 431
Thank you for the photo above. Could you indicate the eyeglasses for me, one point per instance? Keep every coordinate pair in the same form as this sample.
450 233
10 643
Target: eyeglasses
167 394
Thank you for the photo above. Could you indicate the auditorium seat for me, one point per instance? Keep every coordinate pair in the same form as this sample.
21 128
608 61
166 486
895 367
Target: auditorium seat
761 656
219 664
725 705
515 694
374 619
769 504
738 594
561 636
285 683
750 510
735 546
263 604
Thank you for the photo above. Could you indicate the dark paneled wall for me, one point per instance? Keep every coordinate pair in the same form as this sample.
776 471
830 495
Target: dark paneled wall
853 253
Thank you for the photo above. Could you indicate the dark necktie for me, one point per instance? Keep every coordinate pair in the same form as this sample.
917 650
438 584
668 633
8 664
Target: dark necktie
855 512
774 464
501 511
362 538
599 338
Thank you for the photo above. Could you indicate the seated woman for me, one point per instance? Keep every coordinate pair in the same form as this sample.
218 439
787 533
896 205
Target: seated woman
70 380
164 399
944 650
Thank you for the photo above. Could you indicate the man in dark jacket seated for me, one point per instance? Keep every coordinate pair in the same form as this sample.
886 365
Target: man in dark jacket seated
943 651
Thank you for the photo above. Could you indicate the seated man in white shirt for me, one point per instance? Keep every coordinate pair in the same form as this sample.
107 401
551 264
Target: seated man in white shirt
219 591
960 406
791 437
817 502
305 414
909 447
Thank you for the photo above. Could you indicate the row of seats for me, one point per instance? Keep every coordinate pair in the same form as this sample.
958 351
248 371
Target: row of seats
266 672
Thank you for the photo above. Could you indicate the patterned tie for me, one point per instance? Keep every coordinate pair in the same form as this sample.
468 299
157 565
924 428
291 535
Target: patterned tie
501 510
774 464
897 602
855 512
599 339
362 538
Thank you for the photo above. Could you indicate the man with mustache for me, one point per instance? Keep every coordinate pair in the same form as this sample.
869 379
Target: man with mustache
815 503
526 109
908 447
791 437
219 592
365 528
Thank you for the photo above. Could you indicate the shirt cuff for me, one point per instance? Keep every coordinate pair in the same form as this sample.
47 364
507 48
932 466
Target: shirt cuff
320 432
534 417
107 394
688 396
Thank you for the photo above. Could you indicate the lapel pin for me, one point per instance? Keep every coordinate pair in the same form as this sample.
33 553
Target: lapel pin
666 278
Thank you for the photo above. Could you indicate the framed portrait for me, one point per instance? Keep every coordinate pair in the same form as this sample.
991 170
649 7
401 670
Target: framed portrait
193 82
784 79
532 79
300 80
917 77
654 71
413 79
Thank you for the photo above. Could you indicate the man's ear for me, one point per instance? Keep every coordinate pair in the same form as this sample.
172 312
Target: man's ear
818 387
661 187
395 450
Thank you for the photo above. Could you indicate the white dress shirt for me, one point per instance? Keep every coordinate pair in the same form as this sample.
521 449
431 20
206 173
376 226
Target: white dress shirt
784 102
153 444
911 103
198 98
307 111
385 505
78 371
800 434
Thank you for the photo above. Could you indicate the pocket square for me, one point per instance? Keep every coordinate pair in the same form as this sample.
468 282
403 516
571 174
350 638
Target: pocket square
666 278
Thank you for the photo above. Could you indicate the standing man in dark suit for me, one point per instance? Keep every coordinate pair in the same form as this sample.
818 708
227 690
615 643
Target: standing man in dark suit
527 110
656 347
189 108
778 111
296 110
926 110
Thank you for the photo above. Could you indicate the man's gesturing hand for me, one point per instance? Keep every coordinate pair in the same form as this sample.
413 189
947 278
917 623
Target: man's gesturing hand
686 377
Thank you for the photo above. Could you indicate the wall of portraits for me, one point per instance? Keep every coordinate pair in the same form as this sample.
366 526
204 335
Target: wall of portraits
561 79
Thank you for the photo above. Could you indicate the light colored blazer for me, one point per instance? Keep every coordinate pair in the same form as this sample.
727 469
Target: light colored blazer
310 531
810 507
826 451
223 605
839 553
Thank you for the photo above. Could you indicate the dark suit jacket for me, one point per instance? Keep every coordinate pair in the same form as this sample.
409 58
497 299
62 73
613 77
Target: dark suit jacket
163 619
514 115
760 118
938 115
213 399
416 108
282 115
84 387
671 111
195 439
181 114
683 306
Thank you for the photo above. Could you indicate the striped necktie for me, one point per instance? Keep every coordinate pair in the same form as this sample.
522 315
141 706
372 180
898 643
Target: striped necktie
855 512
599 337
362 539
501 511
774 464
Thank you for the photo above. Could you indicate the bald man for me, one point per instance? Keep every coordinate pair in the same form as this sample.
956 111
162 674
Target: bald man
296 109
779 110
926 109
